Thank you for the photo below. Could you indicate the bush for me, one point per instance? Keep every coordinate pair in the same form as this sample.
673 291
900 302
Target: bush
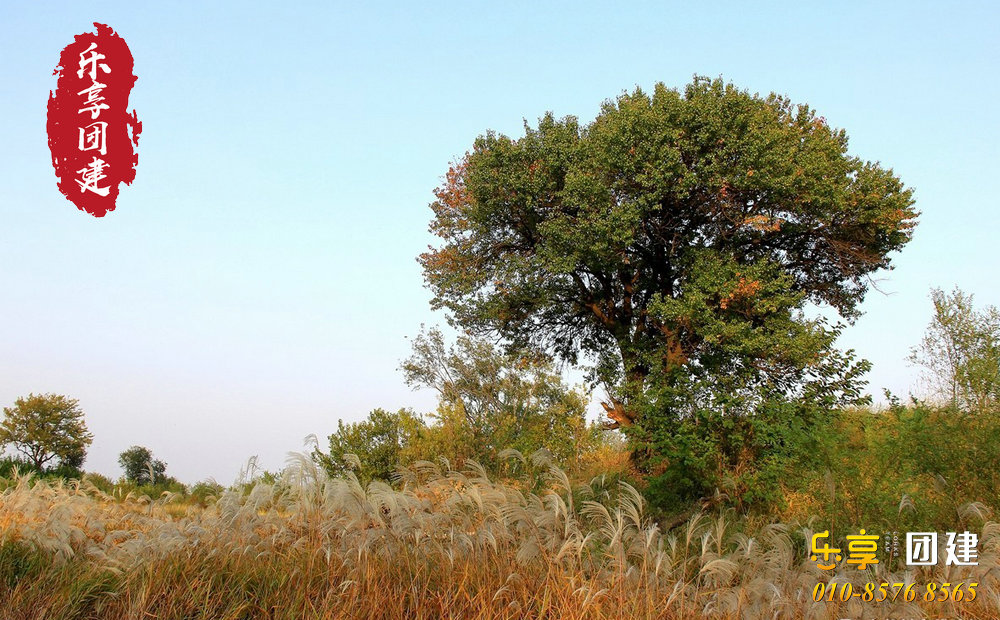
376 442
906 467
205 492
100 481
23 466
10 463
742 461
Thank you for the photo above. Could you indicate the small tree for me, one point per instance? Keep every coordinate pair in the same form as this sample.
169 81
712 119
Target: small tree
960 351
46 427
492 400
377 443
140 467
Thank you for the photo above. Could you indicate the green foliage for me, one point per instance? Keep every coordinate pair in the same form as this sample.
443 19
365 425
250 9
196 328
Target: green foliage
677 242
727 437
47 429
375 442
205 492
492 400
679 230
140 467
124 488
168 484
18 561
11 464
489 401
908 467
914 467
743 461
100 481
960 351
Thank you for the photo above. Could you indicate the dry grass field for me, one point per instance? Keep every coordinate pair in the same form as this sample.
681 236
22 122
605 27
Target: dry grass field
445 544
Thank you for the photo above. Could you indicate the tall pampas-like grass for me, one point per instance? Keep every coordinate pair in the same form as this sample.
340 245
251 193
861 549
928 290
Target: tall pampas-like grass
440 543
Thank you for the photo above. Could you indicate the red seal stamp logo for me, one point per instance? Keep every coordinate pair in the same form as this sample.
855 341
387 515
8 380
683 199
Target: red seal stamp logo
91 135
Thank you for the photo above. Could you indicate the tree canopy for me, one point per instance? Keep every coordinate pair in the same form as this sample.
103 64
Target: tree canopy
140 467
377 443
46 427
497 400
960 351
680 234
489 401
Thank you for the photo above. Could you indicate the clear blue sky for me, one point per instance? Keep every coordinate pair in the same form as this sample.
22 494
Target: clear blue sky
258 280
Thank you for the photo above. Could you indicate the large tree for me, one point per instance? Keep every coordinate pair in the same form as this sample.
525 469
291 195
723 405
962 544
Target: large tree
679 235
46 427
